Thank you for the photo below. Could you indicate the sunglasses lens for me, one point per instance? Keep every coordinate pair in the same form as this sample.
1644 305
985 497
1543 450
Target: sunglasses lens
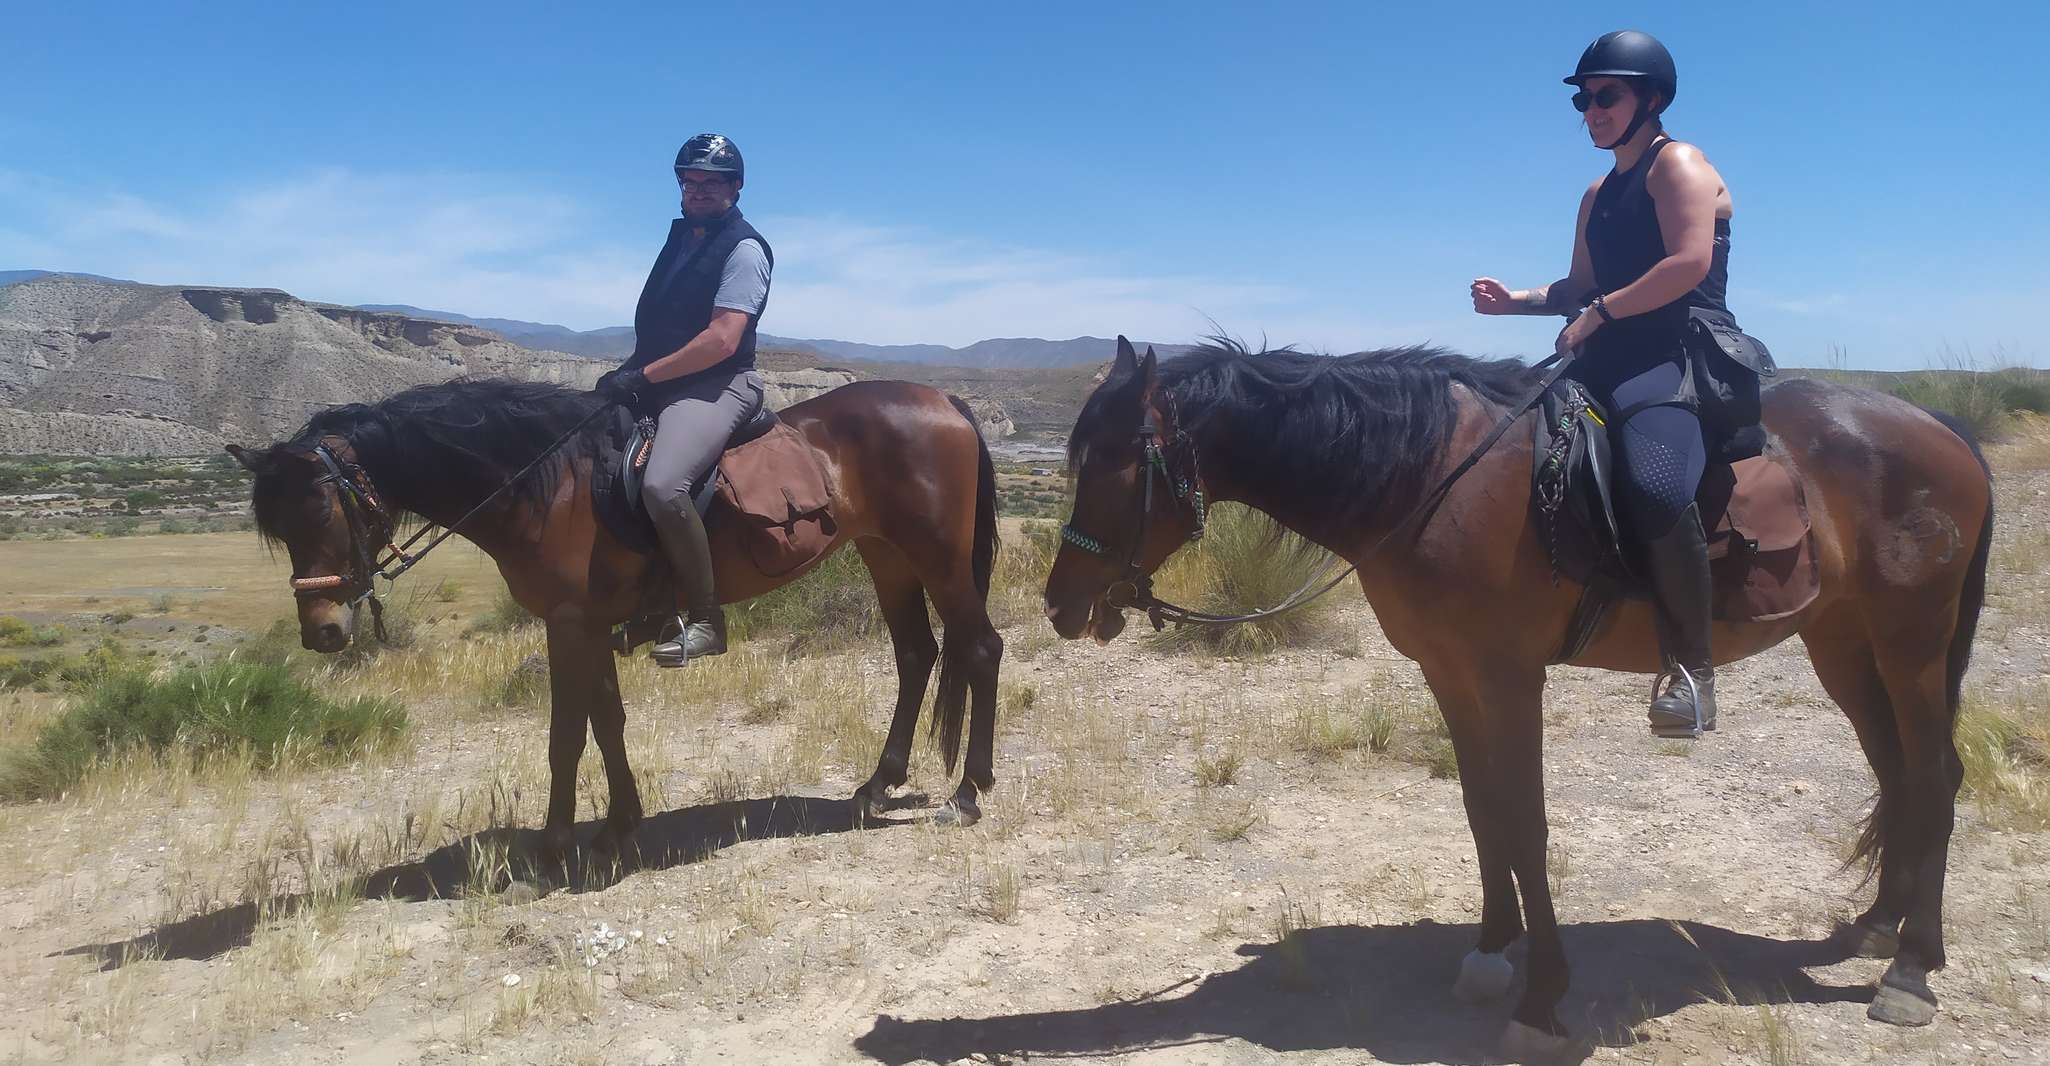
1581 101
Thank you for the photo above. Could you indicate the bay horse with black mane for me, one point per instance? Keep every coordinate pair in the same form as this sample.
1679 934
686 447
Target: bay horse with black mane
1343 449
914 490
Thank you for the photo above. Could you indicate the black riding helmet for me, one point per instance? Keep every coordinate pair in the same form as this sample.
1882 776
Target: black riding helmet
1635 55
711 153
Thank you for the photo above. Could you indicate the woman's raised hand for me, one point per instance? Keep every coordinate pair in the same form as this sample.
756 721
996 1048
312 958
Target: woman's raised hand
1491 297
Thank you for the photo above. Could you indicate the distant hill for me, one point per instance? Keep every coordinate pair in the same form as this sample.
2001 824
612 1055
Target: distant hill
9 277
612 342
998 353
90 366
617 342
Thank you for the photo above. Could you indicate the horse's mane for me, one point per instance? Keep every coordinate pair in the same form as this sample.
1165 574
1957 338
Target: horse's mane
456 441
1358 430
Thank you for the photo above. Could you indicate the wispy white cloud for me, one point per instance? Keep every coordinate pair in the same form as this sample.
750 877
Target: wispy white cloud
449 242
469 243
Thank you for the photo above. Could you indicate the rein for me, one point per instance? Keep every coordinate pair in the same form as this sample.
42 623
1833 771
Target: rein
361 506
1139 584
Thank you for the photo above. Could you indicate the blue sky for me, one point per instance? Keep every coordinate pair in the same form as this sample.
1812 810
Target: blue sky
1331 175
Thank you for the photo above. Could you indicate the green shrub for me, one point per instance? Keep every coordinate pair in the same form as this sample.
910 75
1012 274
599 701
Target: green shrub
1985 401
15 633
199 710
1244 563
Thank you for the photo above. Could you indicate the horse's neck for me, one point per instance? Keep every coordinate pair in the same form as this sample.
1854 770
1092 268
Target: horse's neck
1232 473
404 490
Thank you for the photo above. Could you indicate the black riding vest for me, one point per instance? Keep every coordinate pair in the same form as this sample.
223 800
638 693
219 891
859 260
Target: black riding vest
676 302
1624 241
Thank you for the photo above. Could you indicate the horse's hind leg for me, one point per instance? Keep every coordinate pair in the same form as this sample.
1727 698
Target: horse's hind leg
1914 665
902 600
968 688
1842 657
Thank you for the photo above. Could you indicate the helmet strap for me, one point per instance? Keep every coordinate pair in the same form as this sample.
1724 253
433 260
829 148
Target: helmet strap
1636 123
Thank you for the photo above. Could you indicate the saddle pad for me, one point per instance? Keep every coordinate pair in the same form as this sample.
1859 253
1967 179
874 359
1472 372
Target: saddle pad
778 491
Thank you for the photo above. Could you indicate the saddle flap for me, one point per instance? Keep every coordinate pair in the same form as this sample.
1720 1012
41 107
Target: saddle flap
1767 507
774 479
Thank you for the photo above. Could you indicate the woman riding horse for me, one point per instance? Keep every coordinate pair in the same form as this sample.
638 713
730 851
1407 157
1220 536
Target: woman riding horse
1651 248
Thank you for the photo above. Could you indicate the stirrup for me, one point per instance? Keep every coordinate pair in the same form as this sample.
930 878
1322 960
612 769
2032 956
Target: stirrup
1668 726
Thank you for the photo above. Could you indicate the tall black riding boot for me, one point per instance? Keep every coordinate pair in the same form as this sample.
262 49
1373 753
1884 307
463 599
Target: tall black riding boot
690 558
1682 601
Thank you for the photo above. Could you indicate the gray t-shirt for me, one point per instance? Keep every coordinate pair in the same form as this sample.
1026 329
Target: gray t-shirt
745 284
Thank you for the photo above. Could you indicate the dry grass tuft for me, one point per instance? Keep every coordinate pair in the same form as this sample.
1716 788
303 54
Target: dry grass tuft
1219 770
2004 742
1243 563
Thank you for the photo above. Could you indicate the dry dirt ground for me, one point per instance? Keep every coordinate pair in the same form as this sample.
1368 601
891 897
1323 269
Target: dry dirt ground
1187 860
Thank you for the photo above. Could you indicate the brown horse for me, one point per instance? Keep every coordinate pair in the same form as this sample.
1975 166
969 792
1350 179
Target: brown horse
1342 449
914 490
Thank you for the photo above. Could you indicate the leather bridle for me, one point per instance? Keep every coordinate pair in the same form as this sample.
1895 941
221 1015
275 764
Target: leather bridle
372 530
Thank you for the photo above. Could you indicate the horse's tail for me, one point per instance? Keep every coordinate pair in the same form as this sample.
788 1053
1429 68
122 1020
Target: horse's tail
950 705
1871 839
1973 596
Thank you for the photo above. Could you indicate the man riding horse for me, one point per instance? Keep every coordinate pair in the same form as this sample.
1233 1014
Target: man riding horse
1650 254
693 370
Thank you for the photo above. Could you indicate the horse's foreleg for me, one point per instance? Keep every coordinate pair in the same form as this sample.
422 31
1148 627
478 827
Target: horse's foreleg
581 672
1512 697
569 712
902 601
1485 974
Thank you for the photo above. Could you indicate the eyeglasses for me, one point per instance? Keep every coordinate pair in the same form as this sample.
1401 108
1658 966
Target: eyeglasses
1609 96
705 186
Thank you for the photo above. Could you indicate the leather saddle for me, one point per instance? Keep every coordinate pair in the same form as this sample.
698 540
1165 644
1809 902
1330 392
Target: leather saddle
769 483
1761 547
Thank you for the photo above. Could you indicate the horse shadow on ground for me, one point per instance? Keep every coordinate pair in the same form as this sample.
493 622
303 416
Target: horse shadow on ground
668 839
1387 990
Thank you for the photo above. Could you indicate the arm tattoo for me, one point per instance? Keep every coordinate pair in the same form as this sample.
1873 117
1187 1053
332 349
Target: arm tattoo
1551 299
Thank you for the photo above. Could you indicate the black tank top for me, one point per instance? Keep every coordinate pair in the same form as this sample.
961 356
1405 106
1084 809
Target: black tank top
1624 241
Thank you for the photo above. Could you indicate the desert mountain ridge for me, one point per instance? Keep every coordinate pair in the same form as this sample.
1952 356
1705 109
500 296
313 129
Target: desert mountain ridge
91 366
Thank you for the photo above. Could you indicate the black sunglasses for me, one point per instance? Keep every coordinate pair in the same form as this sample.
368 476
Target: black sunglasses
1607 97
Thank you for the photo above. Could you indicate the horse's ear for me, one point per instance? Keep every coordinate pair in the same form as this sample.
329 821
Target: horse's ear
1127 360
250 460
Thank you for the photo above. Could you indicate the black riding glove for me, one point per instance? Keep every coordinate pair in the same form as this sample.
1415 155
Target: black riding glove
621 385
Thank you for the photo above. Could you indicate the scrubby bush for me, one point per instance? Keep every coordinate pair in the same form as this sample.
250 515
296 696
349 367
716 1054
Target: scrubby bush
1985 401
225 706
1245 563
15 633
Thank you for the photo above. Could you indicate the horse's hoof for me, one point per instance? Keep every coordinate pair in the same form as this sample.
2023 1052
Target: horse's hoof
1483 978
958 812
1902 1001
1521 1043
